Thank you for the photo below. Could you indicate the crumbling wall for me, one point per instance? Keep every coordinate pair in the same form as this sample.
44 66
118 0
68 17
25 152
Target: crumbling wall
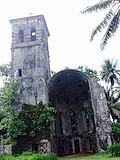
5 149
101 115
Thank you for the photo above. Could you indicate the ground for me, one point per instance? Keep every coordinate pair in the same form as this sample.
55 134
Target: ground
98 156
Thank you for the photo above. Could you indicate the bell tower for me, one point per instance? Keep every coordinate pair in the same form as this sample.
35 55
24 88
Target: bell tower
30 58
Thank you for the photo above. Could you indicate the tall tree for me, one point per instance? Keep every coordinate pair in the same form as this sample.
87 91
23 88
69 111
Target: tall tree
33 121
110 75
110 22
8 93
109 72
5 70
113 104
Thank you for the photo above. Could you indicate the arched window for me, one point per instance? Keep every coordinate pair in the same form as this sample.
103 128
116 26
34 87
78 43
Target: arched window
21 36
33 34
73 122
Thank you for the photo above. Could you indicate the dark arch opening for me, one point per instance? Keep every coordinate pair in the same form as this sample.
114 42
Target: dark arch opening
69 93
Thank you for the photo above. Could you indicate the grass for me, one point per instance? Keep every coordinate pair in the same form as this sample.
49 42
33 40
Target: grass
98 156
38 156
30 156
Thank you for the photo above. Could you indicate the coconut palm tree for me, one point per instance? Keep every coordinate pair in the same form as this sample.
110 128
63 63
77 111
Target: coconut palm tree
110 75
110 22
109 72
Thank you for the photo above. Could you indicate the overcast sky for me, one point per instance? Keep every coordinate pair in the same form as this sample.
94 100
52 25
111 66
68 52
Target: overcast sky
69 44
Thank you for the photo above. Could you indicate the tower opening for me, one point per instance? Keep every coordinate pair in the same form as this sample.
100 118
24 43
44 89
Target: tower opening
21 36
20 72
33 34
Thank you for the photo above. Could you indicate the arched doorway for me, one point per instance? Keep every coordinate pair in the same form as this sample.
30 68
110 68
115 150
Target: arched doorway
69 93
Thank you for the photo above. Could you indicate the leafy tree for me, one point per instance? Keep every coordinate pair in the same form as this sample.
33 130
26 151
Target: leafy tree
8 94
5 70
33 121
110 21
89 71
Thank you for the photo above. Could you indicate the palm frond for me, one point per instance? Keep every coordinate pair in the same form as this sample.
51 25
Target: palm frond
116 99
116 106
106 70
107 94
115 65
107 65
112 28
115 113
111 80
99 6
118 72
115 78
102 25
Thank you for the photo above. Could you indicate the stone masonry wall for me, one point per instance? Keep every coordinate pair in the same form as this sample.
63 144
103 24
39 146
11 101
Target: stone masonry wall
5 149
32 58
101 115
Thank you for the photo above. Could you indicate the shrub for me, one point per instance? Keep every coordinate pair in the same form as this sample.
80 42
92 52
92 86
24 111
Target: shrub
31 156
115 150
116 132
7 157
37 156
33 121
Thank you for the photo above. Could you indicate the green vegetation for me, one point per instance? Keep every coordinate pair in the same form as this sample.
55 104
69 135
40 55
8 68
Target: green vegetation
115 150
32 120
5 70
8 94
116 132
42 156
98 156
88 71
110 75
30 156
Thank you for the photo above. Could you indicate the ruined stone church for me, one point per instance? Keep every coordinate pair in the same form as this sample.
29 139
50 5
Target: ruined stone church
82 122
